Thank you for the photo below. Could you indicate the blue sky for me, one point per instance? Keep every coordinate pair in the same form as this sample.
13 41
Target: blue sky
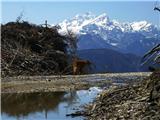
55 12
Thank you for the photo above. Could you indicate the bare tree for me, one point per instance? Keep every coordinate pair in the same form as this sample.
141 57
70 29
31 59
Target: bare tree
157 6
72 42
19 18
155 51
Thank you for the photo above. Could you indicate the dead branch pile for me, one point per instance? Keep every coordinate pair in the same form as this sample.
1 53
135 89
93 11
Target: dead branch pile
28 49
137 102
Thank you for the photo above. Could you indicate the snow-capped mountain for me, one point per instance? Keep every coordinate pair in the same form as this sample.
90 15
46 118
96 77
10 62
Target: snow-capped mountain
100 32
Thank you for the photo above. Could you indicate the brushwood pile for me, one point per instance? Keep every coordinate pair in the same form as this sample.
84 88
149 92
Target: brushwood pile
29 49
140 101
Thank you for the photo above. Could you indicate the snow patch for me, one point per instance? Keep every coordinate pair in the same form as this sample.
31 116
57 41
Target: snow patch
114 44
140 25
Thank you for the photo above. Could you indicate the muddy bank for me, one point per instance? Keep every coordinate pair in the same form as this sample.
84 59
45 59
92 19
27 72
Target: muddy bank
28 84
140 101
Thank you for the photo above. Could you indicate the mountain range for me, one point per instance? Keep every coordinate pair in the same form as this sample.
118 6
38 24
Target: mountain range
99 32
107 60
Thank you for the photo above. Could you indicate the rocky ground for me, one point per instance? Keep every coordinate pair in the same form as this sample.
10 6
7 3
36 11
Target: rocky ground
27 84
140 101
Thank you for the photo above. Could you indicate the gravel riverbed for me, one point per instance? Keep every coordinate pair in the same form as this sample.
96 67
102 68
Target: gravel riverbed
28 84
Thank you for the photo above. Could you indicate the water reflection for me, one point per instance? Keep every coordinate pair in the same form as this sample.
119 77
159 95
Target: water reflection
25 103
51 105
